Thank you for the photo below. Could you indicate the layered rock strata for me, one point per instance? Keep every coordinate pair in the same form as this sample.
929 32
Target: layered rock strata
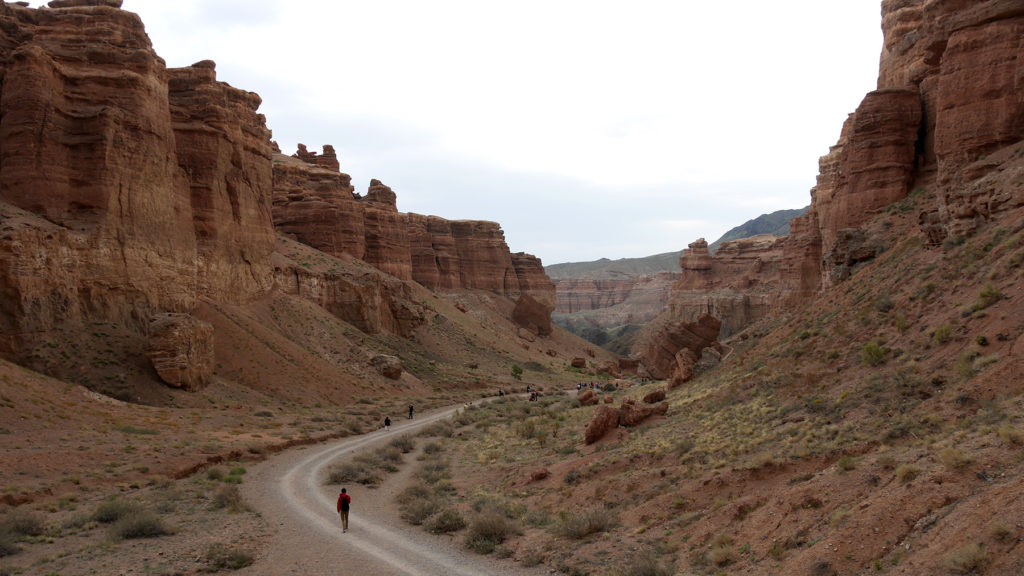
143 188
317 206
947 115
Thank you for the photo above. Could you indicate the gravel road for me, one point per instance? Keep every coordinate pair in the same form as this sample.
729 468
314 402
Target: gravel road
288 491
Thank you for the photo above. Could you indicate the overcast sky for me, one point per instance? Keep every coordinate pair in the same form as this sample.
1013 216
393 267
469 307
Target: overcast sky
587 128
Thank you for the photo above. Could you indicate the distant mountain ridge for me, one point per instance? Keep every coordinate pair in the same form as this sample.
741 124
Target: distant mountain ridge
775 223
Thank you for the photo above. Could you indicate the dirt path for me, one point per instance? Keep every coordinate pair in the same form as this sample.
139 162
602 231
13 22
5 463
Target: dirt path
288 491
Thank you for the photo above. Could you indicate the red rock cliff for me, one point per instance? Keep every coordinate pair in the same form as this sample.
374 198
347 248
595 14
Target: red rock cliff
118 209
947 115
315 204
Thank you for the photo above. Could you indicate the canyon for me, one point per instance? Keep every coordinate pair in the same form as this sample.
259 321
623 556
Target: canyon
177 294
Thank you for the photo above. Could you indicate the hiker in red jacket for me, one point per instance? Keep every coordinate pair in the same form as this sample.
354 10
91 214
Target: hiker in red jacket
344 501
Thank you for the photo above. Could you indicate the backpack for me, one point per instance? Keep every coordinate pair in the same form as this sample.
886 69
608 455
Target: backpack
345 502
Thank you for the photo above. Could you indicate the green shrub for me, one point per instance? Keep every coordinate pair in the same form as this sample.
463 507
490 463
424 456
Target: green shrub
942 334
579 525
445 522
8 544
517 372
873 354
489 528
113 510
846 463
230 498
907 472
404 443
645 564
220 557
954 458
139 524
968 560
215 474
21 523
988 296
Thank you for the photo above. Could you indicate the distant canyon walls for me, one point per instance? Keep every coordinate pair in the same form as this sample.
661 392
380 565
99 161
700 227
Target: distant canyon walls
319 207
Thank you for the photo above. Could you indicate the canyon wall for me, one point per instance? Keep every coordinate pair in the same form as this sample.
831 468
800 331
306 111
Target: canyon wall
128 189
947 116
317 205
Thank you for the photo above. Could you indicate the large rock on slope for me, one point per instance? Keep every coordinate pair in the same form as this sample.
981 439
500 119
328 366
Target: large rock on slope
660 357
181 350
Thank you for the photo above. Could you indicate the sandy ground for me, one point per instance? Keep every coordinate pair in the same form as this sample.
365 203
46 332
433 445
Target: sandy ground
288 491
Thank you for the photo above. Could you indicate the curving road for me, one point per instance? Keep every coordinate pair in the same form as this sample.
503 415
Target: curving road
288 491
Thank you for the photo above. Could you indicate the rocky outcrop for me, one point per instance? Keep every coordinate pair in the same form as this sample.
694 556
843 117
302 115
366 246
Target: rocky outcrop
318 207
604 420
315 204
947 113
662 357
181 350
387 366
533 315
737 285
368 299
629 414
149 186
223 145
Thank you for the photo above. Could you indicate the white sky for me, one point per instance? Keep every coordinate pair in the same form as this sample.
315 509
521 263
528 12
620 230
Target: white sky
587 128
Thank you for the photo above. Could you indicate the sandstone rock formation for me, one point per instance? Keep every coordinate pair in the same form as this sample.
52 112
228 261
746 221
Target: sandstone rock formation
655 396
315 204
587 398
946 115
629 414
677 346
150 186
737 285
604 420
387 365
181 350
532 315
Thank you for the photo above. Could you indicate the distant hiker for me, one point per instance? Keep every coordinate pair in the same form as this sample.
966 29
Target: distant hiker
501 393
410 411
387 423
344 502
527 387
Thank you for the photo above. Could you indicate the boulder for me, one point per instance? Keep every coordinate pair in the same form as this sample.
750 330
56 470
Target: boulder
604 420
587 398
388 366
632 413
655 396
578 362
181 350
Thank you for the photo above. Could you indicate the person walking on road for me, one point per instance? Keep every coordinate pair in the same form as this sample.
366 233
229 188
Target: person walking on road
344 502
410 411
387 423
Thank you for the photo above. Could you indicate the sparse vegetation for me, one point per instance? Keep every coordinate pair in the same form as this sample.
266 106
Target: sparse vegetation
579 525
967 560
907 472
873 354
488 528
220 557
